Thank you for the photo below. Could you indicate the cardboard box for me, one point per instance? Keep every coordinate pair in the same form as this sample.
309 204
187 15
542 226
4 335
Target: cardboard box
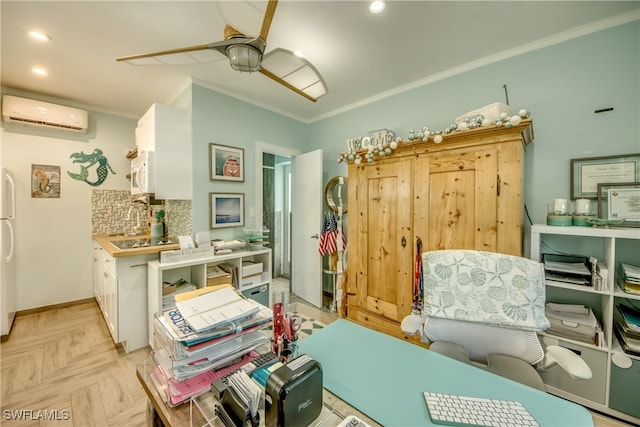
250 268
219 280
217 276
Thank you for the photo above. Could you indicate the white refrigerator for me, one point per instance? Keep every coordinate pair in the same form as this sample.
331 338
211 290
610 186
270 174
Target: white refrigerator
8 300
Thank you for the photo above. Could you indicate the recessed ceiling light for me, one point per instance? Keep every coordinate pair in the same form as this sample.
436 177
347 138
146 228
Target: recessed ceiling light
39 36
376 6
39 71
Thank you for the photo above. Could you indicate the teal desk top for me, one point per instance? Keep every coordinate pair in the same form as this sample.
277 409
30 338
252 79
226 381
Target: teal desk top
384 377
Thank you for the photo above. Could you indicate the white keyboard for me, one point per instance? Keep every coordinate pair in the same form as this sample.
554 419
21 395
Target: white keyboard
454 410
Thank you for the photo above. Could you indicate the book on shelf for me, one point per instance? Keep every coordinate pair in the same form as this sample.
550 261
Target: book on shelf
630 277
232 270
626 326
216 308
630 318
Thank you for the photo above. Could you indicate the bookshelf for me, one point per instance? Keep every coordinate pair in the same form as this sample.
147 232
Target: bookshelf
613 388
195 271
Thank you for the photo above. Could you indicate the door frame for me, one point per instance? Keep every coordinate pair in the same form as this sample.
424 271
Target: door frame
261 148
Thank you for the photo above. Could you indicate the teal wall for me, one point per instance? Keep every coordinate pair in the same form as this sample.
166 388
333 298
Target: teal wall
561 85
225 120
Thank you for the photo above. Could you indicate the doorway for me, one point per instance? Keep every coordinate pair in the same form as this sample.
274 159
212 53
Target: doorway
280 186
276 210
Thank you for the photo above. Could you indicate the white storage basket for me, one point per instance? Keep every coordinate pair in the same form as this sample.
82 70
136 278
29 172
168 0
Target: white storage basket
490 112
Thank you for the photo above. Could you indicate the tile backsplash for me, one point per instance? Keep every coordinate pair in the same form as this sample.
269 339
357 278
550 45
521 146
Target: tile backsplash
109 210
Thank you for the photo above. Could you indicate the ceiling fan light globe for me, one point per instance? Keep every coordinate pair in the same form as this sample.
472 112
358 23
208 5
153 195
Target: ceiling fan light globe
243 57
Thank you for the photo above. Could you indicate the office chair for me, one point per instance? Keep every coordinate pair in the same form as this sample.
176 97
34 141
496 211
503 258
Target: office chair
485 309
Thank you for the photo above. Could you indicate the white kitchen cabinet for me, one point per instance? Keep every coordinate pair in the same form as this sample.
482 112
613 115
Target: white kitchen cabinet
195 271
166 131
616 374
120 288
98 282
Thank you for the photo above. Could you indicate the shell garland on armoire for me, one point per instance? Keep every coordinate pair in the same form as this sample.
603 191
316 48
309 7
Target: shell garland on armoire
381 142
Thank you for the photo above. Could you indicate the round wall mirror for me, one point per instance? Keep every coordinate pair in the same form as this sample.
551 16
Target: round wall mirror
336 192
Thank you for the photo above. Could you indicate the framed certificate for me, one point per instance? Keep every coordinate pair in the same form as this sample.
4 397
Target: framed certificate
620 201
587 173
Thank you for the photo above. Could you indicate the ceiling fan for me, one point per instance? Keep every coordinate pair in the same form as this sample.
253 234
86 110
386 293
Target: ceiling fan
247 54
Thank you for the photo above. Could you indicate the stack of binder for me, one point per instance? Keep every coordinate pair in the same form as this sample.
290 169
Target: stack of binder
575 322
630 275
626 322
209 333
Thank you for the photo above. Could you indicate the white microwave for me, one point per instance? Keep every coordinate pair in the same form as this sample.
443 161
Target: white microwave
142 174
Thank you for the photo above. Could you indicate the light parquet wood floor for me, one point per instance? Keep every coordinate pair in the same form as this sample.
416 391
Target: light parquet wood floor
62 364
60 368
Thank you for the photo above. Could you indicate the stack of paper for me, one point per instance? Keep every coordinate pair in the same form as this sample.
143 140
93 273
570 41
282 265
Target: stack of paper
215 308
627 328
630 278
567 268
575 322
208 330
170 290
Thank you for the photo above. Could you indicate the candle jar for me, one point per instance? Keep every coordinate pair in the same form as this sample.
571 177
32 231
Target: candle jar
583 212
558 213
560 207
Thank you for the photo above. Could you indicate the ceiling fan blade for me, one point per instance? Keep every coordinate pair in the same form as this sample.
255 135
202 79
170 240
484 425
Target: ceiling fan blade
268 18
286 84
166 52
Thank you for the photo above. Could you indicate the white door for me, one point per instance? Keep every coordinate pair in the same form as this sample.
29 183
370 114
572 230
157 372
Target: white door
306 262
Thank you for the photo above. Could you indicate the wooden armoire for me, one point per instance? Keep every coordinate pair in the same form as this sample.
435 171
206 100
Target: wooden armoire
463 193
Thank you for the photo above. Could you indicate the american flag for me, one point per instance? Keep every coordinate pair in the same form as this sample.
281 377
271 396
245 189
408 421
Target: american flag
329 235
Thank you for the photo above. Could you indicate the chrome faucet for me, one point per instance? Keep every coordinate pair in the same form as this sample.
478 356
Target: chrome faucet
138 227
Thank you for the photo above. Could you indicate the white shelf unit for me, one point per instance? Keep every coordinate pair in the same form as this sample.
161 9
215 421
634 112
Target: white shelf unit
616 374
195 271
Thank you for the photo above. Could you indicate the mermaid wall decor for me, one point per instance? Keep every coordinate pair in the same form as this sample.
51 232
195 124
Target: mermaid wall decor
87 161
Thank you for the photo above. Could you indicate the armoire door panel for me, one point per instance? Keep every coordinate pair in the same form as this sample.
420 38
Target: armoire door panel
384 207
462 202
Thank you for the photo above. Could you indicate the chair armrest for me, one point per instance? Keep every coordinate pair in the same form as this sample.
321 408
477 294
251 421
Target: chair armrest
573 364
412 324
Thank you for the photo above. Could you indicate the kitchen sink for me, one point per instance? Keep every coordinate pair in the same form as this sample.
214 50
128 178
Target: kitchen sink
139 243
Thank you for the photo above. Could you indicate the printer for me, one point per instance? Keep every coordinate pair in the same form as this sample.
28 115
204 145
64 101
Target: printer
293 393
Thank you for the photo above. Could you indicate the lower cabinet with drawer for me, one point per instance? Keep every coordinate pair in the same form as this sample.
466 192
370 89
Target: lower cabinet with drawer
120 288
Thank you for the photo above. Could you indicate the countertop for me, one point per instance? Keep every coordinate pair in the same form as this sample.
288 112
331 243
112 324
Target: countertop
105 241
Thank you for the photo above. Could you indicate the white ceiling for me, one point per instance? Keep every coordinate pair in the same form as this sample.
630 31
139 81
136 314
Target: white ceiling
360 56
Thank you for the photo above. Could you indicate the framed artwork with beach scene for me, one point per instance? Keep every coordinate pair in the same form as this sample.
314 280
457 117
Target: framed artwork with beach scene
227 209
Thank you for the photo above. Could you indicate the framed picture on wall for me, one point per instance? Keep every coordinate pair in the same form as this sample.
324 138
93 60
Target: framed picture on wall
620 201
227 209
45 182
226 163
587 173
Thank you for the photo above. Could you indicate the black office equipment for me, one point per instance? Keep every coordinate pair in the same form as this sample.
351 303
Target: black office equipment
293 394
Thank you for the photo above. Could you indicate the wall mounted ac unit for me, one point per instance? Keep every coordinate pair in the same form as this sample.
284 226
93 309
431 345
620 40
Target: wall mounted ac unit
43 114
